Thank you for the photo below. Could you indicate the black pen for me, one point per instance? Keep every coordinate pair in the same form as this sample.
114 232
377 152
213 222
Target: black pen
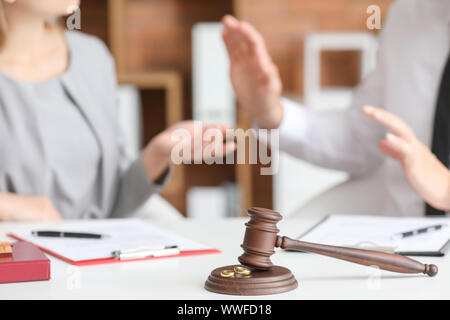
418 231
63 234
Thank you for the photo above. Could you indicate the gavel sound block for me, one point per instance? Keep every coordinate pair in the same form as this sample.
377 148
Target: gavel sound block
260 240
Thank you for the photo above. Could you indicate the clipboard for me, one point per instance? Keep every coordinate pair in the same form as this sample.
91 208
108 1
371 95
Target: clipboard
124 234
374 233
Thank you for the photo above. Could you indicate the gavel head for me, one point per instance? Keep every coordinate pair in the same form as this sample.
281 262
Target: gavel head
260 238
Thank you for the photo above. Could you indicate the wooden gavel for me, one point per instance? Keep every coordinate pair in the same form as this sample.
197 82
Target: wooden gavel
261 237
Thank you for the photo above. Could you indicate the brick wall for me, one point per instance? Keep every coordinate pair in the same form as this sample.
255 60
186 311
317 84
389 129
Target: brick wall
284 24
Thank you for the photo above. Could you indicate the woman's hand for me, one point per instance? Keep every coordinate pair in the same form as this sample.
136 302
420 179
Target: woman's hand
181 142
424 172
15 207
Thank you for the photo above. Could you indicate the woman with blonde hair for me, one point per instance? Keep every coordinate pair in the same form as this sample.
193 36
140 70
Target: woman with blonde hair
61 152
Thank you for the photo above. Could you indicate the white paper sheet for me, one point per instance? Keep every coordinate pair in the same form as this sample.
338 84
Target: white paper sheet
123 234
372 231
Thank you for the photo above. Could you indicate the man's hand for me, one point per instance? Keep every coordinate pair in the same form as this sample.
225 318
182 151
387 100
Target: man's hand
14 207
424 172
255 77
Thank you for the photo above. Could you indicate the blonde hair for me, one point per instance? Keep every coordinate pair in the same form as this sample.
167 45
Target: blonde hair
2 25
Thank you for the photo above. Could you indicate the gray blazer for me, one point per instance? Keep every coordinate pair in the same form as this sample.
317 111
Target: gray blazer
90 83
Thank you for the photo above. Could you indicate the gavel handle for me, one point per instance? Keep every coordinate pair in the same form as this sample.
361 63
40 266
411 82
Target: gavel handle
383 260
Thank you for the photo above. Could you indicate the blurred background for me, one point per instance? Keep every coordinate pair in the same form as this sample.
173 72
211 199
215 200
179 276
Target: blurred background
172 65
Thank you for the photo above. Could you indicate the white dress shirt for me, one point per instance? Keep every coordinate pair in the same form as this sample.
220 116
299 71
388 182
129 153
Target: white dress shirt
414 47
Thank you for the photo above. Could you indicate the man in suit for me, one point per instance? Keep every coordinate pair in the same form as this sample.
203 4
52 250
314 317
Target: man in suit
409 81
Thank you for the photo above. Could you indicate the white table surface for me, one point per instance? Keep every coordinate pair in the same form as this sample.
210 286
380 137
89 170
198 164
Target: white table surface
184 277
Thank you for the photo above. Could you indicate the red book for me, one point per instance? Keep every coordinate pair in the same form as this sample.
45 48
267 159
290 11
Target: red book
26 263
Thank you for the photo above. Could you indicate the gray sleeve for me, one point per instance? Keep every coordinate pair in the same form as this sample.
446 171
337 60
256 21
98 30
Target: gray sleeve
134 186
134 190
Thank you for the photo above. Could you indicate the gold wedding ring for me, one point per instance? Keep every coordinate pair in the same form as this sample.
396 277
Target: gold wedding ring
227 273
242 271
239 272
